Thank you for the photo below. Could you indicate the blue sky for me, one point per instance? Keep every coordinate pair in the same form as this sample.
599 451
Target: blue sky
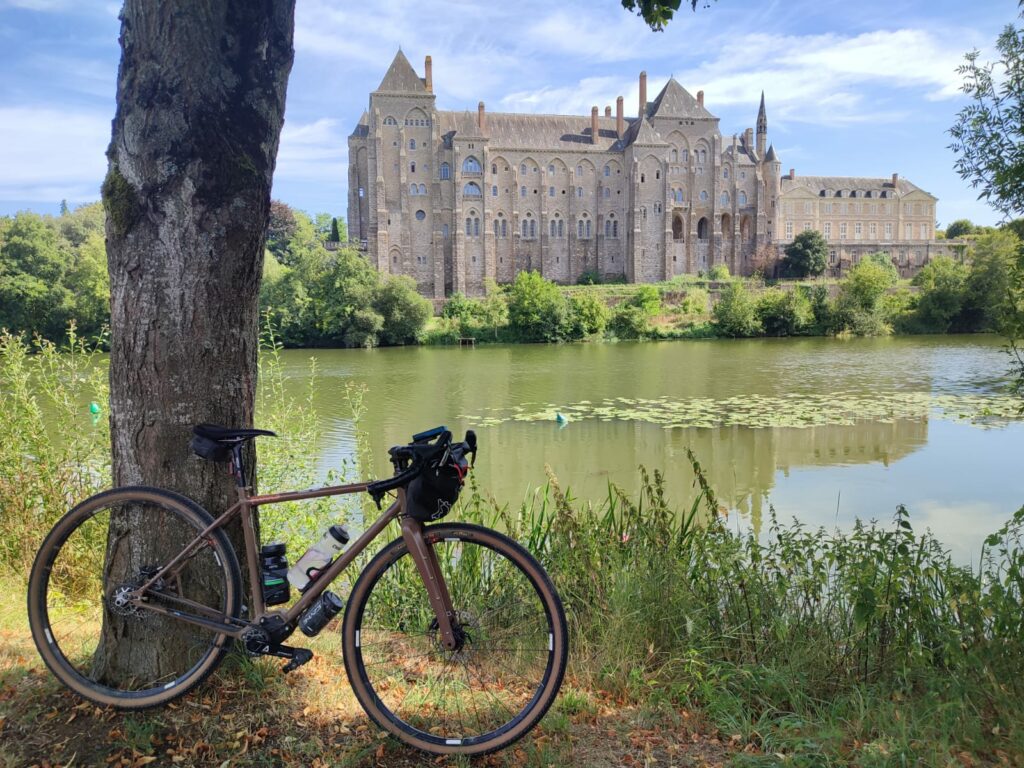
866 88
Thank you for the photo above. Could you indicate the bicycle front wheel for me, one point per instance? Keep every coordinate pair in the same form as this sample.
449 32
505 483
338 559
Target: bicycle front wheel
502 680
90 633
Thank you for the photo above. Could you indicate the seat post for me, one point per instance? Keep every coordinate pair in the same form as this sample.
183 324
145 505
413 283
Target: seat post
237 468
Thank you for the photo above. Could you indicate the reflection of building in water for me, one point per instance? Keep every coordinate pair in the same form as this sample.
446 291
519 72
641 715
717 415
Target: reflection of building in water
741 462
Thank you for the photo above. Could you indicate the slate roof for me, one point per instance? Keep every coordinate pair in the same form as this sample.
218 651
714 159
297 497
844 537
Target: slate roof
676 101
401 77
507 130
642 132
817 184
362 128
771 157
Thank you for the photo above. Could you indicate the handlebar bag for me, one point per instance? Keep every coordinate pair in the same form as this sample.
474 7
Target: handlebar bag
431 494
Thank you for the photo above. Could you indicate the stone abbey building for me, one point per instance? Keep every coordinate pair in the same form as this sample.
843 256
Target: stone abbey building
453 198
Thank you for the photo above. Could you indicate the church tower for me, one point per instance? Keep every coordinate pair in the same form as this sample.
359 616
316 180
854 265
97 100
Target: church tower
762 129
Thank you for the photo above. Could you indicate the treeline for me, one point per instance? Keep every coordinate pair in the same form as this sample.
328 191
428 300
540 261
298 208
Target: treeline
53 272
947 297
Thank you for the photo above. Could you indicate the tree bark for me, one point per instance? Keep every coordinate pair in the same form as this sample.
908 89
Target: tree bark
200 106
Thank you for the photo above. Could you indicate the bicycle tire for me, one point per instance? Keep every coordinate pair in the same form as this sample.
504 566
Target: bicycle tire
557 643
57 661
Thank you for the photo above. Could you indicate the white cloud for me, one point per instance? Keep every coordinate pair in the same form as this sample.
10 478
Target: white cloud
49 154
314 152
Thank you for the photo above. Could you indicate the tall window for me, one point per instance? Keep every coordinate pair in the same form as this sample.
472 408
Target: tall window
413 189
607 228
924 231
469 225
497 228
607 170
362 192
579 191
551 191
579 170
446 171
842 230
423 189
444 231
674 156
615 229
724 199
522 168
494 167
579 228
588 228
607 192
704 195
888 230
551 169
873 230
412 167
725 172
554 228
504 227
494 190
412 143
526 229
471 189
857 231
533 227
522 191
741 197
828 229
471 165
789 229
908 231
677 227
476 226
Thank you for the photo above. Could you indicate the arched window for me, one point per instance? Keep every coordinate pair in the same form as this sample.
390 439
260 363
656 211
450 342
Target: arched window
522 168
579 191
412 143
526 229
704 195
579 228
615 229
607 170
554 228
423 189
522 191
551 191
413 189
643 178
472 189
533 227
504 227
674 158
446 171
497 228
476 227
702 229
561 228
390 121
607 228
494 167
412 167
579 170
588 228
469 225
362 192
444 231
724 199
494 190
741 197
551 169
725 172
657 174
471 165
677 227
607 191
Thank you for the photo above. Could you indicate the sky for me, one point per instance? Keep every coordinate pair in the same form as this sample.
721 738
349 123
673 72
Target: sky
852 89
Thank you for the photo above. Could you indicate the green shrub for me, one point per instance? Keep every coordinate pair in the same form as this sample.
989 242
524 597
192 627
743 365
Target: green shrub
537 309
461 307
695 302
647 299
784 313
719 272
942 282
630 322
590 277
858 310
805 256
735 313
403 311
588 315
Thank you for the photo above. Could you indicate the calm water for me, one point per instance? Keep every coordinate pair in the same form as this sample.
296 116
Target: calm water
960 479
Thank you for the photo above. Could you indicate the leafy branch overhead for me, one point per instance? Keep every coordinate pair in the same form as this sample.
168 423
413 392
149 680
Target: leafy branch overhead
658 13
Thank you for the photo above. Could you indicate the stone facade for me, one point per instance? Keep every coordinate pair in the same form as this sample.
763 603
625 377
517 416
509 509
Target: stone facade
453 198
858 216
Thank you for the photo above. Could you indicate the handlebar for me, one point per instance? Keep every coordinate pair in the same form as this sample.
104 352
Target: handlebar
408 459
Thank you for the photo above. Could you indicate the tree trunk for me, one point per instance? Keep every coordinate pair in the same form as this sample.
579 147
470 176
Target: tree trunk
200 105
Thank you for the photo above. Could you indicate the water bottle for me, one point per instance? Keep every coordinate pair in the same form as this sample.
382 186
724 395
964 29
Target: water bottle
320 613
318 557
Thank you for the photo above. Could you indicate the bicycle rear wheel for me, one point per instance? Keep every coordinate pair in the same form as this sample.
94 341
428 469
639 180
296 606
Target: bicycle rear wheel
97 642
493 690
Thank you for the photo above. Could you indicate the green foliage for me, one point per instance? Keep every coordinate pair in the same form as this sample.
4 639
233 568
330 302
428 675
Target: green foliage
657 13
629 321
719 272
120 201
805 256
735 314
280 229
987 293
784 313
859 309
987 136
335 236
537 309
462 308
942 282
695 302
959 228
403 311
590 277
53 271
647 299
589 315
494 308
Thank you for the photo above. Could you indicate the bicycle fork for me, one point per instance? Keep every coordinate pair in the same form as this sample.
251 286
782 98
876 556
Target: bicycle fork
437 590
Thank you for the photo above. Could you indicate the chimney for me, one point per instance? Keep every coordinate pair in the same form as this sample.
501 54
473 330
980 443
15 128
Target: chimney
428 72
607 110
593 125
792 174
700 98
643 94
619 121
895 179
481 118
748 139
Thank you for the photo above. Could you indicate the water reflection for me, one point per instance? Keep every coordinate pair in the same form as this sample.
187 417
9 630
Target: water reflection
855 469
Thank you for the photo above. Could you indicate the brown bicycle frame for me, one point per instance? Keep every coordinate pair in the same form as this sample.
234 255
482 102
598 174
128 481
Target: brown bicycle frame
420 549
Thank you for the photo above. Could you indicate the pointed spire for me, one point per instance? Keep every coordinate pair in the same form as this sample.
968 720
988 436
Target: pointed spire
771 157
762 128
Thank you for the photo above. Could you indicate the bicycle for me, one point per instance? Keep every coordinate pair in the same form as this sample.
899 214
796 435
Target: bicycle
454 638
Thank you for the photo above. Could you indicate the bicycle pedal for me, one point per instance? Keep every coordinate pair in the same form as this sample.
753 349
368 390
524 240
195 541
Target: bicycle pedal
300 656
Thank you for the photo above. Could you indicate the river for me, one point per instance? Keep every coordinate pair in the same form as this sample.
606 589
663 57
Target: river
823 430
